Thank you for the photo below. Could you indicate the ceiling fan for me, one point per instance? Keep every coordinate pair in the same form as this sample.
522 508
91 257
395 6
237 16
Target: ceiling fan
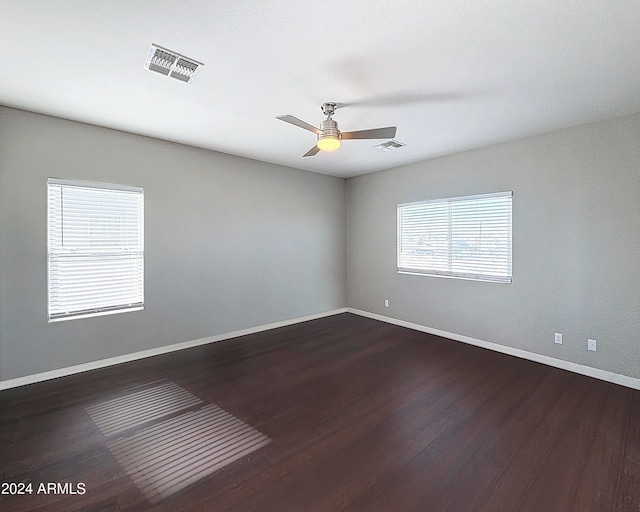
329 137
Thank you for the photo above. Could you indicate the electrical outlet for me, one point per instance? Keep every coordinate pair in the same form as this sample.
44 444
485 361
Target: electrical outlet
386 303
591 344
558 338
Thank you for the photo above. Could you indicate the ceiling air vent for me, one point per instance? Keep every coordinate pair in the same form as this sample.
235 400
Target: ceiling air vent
170 63
389 145
185 69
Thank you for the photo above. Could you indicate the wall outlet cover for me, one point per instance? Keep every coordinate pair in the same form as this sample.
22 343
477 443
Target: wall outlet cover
591 344
558 338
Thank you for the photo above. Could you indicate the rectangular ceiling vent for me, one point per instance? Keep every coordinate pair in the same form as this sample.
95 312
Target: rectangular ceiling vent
172 64
389 145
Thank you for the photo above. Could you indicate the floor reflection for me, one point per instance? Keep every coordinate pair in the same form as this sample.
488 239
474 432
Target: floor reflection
136 408
171 455
163 457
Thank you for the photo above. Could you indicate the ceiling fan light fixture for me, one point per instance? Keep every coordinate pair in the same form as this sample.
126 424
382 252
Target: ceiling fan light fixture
329 142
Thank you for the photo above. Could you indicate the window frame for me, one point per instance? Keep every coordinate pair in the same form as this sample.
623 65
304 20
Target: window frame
449 274
98 311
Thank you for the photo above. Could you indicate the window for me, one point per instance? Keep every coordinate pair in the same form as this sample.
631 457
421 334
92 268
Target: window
464 237
95 249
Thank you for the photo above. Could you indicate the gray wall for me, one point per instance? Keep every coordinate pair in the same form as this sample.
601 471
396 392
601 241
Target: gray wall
230 243
233 243
576 245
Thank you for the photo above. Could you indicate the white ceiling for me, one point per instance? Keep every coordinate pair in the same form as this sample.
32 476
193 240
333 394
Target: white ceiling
450 74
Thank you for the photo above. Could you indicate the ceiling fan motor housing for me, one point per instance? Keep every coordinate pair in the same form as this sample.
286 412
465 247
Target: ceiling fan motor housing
330 129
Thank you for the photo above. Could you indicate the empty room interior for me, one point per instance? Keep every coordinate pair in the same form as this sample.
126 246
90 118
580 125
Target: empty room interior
320 256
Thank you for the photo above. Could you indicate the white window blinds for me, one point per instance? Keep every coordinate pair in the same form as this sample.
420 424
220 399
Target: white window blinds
95 248
465 237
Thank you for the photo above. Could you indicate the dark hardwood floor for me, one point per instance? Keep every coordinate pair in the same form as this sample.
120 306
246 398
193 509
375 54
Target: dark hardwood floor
361 416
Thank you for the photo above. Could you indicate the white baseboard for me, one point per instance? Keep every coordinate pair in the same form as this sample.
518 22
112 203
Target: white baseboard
102 363
589 371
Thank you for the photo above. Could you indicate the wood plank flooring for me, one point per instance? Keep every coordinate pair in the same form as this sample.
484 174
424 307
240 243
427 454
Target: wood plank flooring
361 416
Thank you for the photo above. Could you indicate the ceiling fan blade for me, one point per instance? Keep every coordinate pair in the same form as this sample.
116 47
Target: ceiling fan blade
312 152
388 132
405 98
297 122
